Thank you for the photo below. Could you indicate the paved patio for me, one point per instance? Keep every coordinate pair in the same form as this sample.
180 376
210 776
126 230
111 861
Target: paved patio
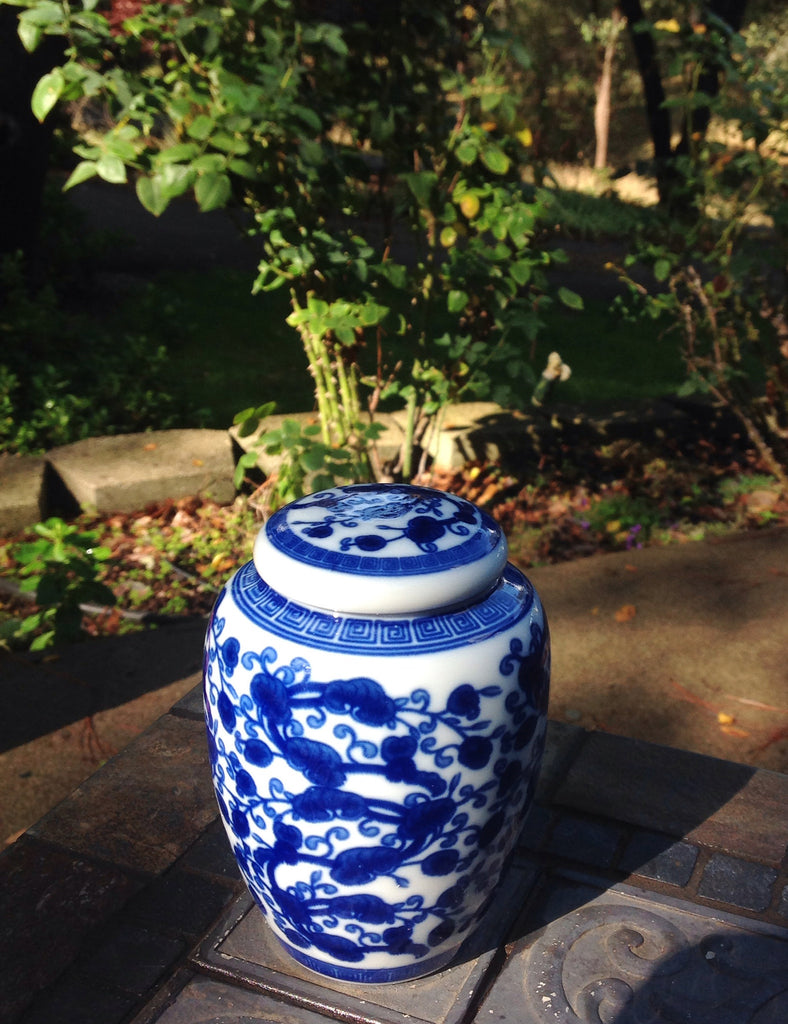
650 884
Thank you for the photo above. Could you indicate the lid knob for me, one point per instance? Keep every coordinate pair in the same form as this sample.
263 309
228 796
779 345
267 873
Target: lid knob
380 549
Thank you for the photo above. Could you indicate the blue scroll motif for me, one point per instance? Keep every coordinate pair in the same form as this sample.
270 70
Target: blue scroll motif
387 790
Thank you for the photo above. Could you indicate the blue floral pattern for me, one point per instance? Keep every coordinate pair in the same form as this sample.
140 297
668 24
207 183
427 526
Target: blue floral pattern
364 530
371 822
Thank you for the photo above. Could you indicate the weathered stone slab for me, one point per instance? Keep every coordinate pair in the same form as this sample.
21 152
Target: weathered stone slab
625 955
128 472
21 491
731 807
50 899
146 806
204 1001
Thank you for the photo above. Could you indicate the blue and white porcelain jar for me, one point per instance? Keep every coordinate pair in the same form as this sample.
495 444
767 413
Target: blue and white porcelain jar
375 685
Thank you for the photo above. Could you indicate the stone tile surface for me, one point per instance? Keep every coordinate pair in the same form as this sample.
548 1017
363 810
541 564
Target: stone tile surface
624 956
732 807
50 899
204 1001
739 882
75 1000
146 806
588 840
212 854
648 854
180 902
130 959
244 948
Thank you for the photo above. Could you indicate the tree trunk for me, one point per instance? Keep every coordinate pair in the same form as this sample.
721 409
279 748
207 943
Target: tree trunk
604 91
730 11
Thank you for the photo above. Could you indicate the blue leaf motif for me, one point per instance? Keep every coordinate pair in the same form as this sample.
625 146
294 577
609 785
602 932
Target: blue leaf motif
258 753
360 865
320 531
245 784
240 823
228 652
293 908
464 701
395 747
270 696
338 946
424 531
442 862
475 752
426 817
440 933
491 829
398 940
319 763
226 711
362 907
320 803
365 699
287 834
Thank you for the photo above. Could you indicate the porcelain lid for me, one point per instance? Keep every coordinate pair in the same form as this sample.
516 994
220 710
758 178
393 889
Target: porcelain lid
380 549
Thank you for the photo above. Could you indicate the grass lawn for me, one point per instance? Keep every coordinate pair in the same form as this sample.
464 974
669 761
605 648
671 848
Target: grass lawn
230 349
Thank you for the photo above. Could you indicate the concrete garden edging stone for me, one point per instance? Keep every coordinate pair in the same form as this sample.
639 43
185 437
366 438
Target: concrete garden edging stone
127 472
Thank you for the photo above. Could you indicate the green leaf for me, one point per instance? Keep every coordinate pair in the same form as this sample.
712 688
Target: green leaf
314 459
201 127
212 191
570 299
662 269
421 184
467 151
47 92
111 168
84 170
30 35
178 154
495 159
372 313
457 301
209 162
521 271
152 194
490 101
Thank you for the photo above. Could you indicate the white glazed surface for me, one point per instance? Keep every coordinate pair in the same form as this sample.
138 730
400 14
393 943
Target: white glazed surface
373 773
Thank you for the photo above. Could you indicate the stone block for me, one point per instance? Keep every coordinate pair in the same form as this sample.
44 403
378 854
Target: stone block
585 840
625 955
653 856
49 902
180 902
732 807
21 491
128 472
146 806
738 882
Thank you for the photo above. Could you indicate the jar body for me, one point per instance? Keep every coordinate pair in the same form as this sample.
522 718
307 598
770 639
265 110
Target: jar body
373 773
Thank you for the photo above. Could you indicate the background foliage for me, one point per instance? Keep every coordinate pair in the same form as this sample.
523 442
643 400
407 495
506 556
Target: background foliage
400 171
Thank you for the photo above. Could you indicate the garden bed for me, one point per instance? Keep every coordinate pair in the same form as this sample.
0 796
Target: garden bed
582 487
